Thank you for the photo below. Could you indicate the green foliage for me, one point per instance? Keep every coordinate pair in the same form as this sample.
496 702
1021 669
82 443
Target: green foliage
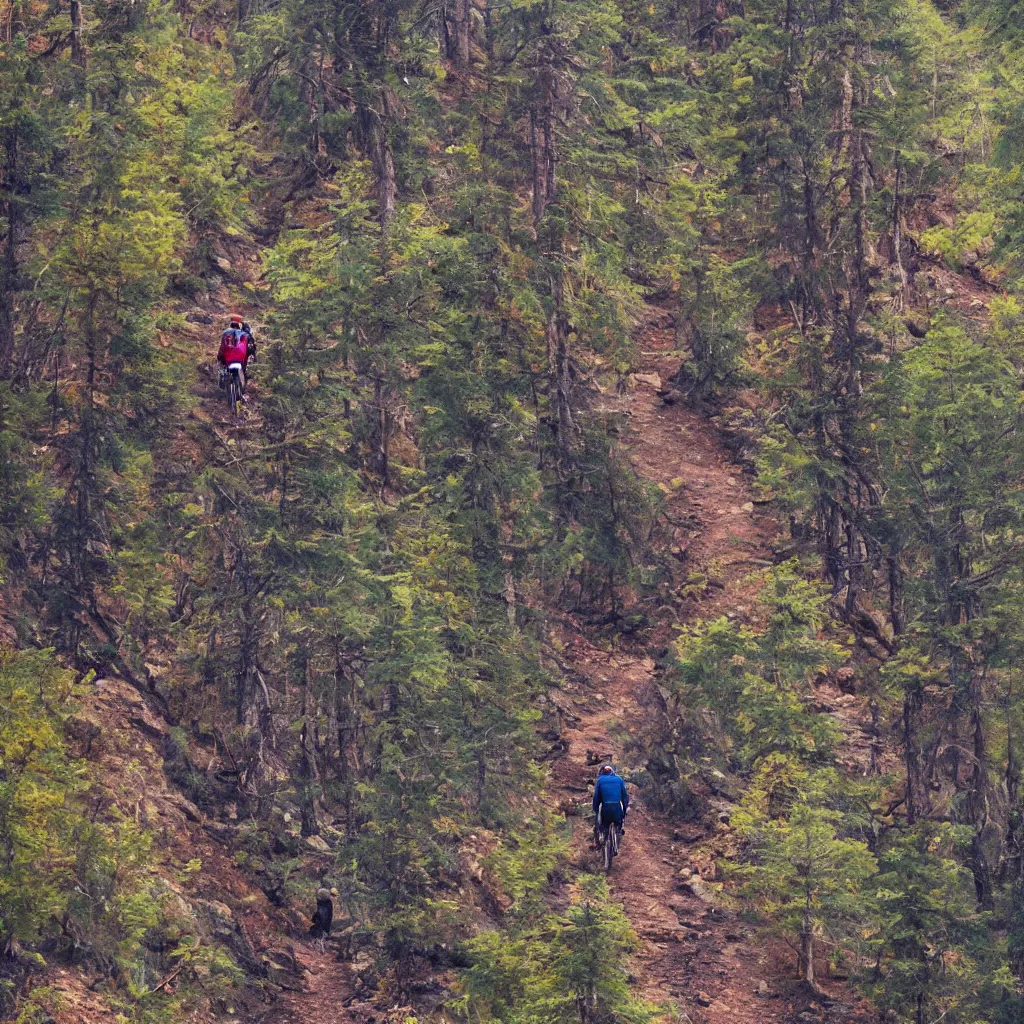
73 880
737 694
804 870
951 399
525 861
462 216
558 967
39 782
932 940
967 236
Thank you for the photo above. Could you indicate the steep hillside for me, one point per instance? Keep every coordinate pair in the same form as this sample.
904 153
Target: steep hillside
635 382
696 949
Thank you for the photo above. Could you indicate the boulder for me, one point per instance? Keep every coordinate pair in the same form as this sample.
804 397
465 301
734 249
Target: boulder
189 809
318 844
82 732
846 679
699 888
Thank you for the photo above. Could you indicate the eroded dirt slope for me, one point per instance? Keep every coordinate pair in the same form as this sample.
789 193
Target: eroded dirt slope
695 953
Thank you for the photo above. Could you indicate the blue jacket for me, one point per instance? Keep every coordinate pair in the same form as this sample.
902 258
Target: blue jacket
610 789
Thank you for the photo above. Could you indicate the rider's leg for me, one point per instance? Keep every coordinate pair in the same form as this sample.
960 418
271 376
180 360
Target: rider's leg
612 816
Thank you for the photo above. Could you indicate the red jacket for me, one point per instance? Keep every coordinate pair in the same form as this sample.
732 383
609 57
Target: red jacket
234 347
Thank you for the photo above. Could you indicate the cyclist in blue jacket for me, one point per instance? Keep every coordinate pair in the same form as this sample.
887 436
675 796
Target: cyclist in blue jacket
611 801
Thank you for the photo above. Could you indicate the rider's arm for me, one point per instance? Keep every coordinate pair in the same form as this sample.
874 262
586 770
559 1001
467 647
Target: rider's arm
625 799
597 796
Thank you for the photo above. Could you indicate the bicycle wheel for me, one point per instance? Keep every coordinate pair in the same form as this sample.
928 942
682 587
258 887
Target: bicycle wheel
609 848
234 394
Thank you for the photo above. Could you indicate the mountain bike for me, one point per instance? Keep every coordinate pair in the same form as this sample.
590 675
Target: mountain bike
609 835
233 388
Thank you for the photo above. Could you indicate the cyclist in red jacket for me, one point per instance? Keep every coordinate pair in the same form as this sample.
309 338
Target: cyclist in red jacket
236 346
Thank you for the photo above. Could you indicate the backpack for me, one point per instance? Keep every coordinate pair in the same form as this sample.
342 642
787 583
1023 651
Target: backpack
231 339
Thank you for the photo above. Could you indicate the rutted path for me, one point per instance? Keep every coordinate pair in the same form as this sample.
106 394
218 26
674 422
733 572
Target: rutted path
705 961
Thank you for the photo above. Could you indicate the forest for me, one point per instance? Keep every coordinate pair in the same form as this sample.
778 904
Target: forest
636 381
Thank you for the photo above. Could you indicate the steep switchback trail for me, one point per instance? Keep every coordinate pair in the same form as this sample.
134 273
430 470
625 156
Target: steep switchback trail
694 953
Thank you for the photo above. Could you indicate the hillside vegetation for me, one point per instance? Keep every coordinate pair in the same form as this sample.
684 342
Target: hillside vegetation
636 380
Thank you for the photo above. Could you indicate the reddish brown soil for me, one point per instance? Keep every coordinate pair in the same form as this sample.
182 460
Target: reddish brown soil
694 954
685 953
325 994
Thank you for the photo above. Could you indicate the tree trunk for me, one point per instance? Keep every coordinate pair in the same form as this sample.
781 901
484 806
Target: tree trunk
559 369
245 681
550 164
897 235
853 568
384 170
81 550
463 31
807 953
911 705
539 175
488 28
1012 866
978 804
310 92
897 607
307 783
77 33
876 738
383 432
9 262
344 724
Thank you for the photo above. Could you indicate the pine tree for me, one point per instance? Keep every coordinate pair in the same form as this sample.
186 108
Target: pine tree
807 876
928 916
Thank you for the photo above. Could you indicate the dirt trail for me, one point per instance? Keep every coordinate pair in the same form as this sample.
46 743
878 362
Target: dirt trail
325 996
702 959
699 958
